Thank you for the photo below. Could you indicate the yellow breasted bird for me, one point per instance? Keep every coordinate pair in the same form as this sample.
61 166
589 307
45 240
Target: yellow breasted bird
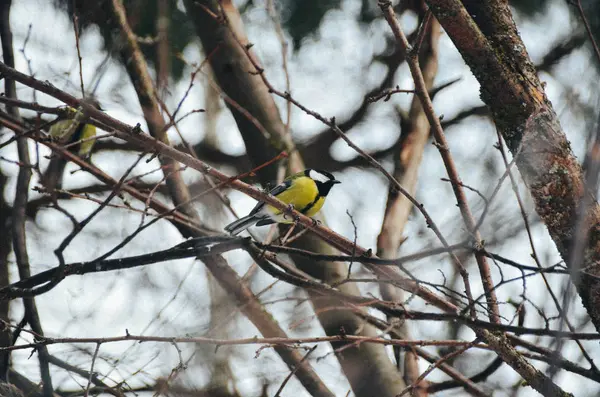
74 129
69 131
305 192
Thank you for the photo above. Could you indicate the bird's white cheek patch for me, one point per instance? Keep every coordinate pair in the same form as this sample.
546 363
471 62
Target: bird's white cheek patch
317 176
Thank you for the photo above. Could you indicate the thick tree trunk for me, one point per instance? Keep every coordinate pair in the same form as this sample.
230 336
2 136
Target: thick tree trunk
486 36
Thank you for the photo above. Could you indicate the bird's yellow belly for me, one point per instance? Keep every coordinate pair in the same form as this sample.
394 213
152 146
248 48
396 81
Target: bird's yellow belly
316 207
302 203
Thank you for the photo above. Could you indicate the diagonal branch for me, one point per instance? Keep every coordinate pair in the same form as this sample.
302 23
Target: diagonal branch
407 163
442 145
240 75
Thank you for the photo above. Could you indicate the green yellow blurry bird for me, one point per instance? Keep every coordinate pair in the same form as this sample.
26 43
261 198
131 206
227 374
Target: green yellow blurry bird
305 192
74 133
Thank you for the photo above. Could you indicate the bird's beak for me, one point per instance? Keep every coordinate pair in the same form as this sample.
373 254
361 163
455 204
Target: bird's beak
335 181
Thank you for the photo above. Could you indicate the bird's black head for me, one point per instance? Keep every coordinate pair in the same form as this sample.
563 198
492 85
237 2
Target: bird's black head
323 179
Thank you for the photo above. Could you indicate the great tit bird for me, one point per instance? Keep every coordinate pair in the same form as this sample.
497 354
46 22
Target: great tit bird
69 131
61 131
305 192
74 129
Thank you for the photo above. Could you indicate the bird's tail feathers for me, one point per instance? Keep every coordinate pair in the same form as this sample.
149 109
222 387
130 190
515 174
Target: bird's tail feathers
241 224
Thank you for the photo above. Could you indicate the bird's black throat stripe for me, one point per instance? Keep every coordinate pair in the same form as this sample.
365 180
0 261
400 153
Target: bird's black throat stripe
310 205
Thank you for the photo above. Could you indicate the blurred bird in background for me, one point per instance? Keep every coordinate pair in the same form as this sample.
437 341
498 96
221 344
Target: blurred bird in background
77 135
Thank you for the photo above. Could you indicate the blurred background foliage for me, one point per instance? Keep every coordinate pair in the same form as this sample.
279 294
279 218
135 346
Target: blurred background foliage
299 18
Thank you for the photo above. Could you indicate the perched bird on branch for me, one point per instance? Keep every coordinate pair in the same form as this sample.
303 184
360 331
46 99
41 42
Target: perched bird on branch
77 135
305 192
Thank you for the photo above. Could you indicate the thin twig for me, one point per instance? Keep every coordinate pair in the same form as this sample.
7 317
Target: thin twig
79 58
289 376
354 250
87 388
588 29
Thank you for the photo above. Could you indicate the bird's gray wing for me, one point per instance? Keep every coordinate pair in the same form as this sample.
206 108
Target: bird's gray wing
273 192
